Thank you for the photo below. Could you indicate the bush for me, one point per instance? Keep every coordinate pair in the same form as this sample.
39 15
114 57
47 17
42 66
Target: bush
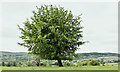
102 62
86 63
19 64
71 64
44 64
24 65
14 64
79 64
3 64
94 63
29 64
9 64
68 64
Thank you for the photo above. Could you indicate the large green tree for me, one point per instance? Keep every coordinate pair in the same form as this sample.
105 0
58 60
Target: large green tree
52 33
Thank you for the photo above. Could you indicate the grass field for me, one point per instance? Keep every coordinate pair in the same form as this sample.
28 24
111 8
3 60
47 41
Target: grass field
63 68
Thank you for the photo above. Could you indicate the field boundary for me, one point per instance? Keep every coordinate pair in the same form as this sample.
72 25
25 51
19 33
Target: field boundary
60 71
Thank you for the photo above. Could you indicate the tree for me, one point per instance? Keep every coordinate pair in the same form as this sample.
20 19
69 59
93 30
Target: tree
52 33
102 62
14 64
9 64
37 59
3 64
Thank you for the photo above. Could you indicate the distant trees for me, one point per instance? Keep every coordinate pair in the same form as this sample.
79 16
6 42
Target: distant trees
102 62
14 63
9 63
3 64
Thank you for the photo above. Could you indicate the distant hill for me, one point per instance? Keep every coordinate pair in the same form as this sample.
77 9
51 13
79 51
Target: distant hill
15 56
23 56
98 55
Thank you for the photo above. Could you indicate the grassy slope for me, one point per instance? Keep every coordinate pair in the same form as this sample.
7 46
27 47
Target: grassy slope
63 68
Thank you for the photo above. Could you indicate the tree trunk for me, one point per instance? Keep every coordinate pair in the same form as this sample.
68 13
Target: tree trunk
103 65
60 63
39 62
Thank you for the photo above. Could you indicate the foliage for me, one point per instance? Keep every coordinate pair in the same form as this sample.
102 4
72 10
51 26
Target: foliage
19 63
29 64
45 64
89 63
102 62
14 63
85 63
9 64
68 64
94 63
52 33
3 64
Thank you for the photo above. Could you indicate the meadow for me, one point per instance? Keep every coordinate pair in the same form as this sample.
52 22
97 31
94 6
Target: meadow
63 68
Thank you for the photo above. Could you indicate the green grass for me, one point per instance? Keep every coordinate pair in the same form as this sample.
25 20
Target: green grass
63 68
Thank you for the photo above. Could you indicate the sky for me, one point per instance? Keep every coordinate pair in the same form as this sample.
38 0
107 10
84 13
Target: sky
100 22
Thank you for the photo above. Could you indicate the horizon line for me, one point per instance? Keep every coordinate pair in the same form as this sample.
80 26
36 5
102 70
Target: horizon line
76 52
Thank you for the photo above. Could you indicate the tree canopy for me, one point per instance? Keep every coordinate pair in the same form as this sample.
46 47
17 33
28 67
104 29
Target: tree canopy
53 33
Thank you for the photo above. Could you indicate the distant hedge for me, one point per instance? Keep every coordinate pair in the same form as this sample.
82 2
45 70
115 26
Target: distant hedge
90 63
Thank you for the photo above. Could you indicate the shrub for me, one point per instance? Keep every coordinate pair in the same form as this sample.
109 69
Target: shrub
102 62
14 64
71 64
45 64
19 64
9 64
68 64
85 63
94 63
29 64
24 65
3 64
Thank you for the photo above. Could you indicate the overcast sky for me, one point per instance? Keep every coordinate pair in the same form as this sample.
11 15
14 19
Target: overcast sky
100 21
